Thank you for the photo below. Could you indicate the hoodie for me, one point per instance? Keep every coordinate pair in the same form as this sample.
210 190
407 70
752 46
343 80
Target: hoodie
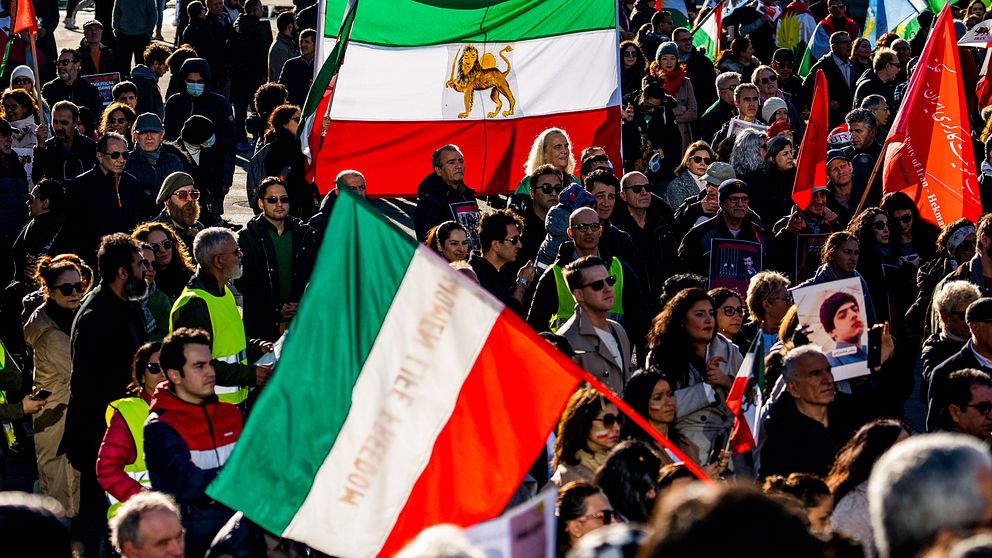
182 105
149 96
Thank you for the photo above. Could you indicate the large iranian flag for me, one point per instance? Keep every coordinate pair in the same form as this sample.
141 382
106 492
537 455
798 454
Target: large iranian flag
486 76
405 396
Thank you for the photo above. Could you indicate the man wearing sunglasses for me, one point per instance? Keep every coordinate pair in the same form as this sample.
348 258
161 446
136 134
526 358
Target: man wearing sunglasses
783 62
68 86
545 187
968 407
106 199
733 220
723 109
500 233
279 251
553 303
182 206
976 354
649 221
601 345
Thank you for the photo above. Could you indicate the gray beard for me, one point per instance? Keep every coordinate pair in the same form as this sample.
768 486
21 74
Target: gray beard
233 274
135 289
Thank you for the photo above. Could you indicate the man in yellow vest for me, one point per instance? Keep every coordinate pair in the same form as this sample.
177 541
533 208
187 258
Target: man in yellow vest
553 303
208 303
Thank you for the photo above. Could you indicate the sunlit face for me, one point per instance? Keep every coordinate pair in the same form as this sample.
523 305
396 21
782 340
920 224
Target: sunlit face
629 56
813 382
455 247
848 326
668 62
661 404
700 322
71 282
591 520
557 151
863 51
730 316
153 373
767 82
699 161
846 257
783 160
163 250
839 172
601 437
117 122
606 199
819 516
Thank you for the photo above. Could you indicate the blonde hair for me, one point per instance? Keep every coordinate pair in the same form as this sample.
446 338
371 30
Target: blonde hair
536 156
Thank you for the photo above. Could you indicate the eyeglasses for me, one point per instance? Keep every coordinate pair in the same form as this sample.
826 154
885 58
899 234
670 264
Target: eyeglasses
984 408
165 245
648 107
770 79
739 200
967 245
21 81
787 298
700 160
67 288
636 188
237 252
880 225
65 62
729 87
512 240
598 286
153 367
583 227
272 200
609 419
116 154
731 311
550 188
117 120
630 54
183 195
906 219
607 516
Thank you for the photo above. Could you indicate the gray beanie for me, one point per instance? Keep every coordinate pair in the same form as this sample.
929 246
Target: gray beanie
667 47
172 183
771 105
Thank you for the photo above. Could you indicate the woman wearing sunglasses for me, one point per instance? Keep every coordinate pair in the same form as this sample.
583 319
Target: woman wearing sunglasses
633 67
581 509
24 116
118 117
914 240
588 430
285 160
683 344
877 264
173 266
120 464
689 181
47 333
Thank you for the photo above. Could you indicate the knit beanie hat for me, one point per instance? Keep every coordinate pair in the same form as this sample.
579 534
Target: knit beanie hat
22 71
771 105
668 47
197 130
172 183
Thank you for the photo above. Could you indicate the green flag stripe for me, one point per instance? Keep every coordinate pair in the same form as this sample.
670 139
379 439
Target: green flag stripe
434 22
301 410
330 67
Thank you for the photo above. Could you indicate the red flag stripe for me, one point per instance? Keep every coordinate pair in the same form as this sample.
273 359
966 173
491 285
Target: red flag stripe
811 164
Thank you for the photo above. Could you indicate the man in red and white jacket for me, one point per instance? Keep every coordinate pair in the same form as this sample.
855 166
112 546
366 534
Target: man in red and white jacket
189 435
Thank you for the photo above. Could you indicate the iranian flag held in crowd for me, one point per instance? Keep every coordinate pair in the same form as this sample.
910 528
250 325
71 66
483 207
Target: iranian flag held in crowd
486 76
405 396
929 153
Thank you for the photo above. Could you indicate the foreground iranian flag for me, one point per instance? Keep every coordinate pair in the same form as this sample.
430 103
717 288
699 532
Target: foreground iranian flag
405 396
486 76
707 34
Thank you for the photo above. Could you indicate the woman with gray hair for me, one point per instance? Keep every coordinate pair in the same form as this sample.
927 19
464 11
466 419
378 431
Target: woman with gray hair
949 303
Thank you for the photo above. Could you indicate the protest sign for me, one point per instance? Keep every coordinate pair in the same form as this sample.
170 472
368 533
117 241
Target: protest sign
737 126
526 531
733 263
467 215
104 84
834 313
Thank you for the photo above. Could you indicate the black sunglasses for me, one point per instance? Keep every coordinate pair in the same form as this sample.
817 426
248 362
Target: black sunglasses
770 79
609 419
154 367
116 154
512 239
600 284
165 245
700 160
636 188
906 219
550 188
281 199
67 288
880 225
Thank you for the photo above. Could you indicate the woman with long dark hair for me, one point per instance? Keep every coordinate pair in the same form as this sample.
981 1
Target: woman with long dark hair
730 312
285 160
581 508
739 58
173 265
628 479
683 344
633 67
876 261
450 240
650 394
588 430
848 479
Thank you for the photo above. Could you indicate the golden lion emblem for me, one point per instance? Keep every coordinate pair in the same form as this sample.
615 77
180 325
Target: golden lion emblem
475 75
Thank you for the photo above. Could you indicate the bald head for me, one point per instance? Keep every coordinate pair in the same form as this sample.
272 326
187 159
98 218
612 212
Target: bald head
583 215
633 177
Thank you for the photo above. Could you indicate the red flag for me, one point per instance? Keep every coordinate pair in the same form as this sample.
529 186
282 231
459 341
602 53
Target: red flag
929 154
25 19
811 165
742 438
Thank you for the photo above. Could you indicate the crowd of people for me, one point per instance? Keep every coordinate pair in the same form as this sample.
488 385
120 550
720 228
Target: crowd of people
137 320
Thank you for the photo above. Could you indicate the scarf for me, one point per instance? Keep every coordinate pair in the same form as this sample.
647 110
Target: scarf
672 81
592 461
193 151
150 157
61 316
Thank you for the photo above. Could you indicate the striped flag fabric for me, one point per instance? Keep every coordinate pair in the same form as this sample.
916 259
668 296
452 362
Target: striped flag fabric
680 15
811 162
707 33
742 405
486 76
888 15
405 396
322 89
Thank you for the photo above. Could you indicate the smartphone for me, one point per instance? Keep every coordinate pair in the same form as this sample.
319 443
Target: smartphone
717 448
41 395
874 347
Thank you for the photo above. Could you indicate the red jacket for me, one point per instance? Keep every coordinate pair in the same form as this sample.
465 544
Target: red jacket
116 451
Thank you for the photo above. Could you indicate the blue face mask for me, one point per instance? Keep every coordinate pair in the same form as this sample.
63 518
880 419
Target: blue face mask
195 89
210 141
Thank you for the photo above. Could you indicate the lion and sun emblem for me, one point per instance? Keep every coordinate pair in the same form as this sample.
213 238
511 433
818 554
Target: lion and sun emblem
475 73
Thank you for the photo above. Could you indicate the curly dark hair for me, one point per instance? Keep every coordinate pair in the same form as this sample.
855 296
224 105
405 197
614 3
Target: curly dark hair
140 365
855 460
576 421
22 98
627 477
809 489
181 257
280 117
861 226
833 244
668 340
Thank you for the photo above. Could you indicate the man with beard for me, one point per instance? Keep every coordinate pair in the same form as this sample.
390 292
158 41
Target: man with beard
67 154
68 86
105 199
108 329
208 304
817 219
151 161
500 232
182 206
279 251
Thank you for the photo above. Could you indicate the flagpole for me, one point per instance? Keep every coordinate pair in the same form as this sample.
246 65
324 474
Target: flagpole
871 179
708 15
37 76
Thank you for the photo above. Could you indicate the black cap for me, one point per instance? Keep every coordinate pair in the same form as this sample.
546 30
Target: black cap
783 55
979 311
5 128
730 187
